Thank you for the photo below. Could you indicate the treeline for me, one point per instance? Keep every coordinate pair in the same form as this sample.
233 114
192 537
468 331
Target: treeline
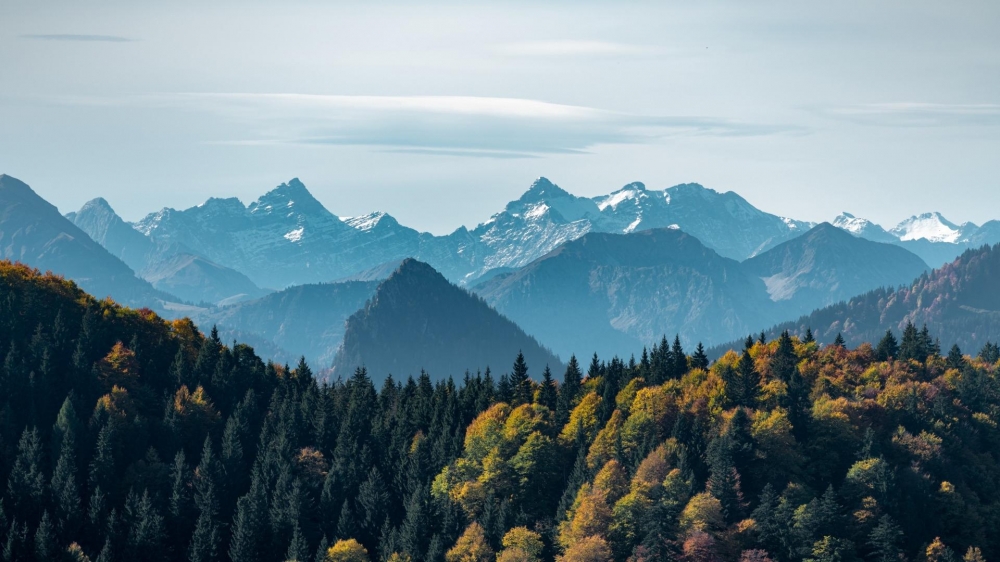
128 437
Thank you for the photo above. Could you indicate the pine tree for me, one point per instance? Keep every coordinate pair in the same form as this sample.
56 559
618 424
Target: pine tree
102 464
809 338
205 541
298 548
519 381
912 347
839 341
248 522
884 540
67 423
146 534
680 361
65 492
46 547
26 483
700 359
955 358
990 353
373 502
784 360
569 390
887 348
748 382
548 395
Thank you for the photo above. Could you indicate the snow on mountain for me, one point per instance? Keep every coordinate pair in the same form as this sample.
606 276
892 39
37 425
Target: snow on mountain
863 228
929 226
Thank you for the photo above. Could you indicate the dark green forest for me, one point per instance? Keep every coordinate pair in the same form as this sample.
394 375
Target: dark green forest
126 437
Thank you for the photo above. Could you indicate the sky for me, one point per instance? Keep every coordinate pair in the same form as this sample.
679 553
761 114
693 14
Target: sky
441 113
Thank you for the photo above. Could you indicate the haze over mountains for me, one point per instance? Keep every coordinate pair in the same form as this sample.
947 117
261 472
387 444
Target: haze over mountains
33 232
959 302
610 273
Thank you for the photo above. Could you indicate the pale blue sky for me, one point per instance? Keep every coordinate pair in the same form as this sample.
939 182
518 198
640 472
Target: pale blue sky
439 113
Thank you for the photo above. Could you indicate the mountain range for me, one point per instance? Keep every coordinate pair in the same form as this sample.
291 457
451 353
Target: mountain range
614 293
609 274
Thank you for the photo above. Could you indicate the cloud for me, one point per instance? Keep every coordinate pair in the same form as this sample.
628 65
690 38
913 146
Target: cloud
78 37
452 125
573 48
909 114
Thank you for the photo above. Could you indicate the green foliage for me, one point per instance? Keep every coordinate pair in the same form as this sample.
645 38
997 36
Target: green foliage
785 451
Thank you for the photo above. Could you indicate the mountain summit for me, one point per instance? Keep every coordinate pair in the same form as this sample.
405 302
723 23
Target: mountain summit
417 320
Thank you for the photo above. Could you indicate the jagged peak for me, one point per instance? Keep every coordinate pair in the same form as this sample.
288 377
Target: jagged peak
371 220
542 188
98 203
292 193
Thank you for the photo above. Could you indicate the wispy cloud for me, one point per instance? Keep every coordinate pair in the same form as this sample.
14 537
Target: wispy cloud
909 114
573 48
78 37
450 125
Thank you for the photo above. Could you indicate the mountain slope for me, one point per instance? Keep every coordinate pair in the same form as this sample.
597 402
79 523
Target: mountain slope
33 231
418 320
305 320
958 302
725 222
612 293
827 265
168 266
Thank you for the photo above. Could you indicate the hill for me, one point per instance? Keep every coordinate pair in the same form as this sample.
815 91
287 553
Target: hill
417 320
958 302
827 265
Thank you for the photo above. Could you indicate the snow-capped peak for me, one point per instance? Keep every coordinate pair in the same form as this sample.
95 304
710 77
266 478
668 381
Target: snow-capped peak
928 226
850 223
365 222
635 190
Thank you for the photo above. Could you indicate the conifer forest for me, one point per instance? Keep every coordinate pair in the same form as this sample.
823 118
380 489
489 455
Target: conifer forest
126 437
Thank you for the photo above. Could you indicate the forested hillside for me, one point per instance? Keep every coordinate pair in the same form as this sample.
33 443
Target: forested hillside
958 302
128 437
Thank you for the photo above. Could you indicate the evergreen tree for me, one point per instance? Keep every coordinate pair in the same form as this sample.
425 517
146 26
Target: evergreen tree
700 359
748 383
955 358
46 547
205 541
912 346
519 381
990 353
884 540
839 341
298 548
548 394
26 483
248 523
65 493
784 360
680 361
147 533
887 348
809 338
102 464
568 392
